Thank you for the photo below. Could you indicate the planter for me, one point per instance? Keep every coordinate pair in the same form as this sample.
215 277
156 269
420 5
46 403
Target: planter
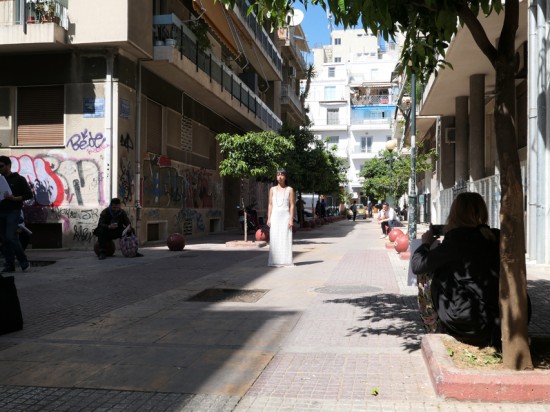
170 42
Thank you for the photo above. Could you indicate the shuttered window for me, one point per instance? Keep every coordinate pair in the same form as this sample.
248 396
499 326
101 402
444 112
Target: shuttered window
40 113
154 127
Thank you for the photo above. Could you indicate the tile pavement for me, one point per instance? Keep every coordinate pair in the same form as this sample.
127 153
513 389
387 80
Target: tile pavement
338 332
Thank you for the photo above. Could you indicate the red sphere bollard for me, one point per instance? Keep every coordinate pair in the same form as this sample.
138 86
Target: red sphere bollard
110 251
175 242
402 243
394 234
262 234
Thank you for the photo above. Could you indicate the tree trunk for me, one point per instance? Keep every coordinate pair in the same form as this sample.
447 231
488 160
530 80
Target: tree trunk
513 281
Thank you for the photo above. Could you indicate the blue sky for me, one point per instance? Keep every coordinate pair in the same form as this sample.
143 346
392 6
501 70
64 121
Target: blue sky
315 25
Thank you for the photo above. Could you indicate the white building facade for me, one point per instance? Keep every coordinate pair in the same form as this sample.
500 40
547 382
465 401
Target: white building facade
353 97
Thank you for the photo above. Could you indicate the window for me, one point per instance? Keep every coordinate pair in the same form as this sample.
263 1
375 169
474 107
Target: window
40 113
337 41
332 116
369 144
331 72
337 60
330 92
363 144
332 140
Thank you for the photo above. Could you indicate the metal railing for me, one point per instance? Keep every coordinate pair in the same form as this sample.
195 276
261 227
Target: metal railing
372 114
261 35
488 188
170 30
15 12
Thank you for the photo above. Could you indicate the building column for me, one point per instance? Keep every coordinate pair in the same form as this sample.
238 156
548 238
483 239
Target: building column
461 138
476 149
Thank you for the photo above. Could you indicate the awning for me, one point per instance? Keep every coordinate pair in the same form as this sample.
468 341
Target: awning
217 18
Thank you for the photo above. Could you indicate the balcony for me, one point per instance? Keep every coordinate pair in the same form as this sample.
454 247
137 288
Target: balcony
32 26
380 117
290 103
204 77
376 100
260 36
292 48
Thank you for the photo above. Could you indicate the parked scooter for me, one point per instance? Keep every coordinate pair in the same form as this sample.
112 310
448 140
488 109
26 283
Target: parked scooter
252 223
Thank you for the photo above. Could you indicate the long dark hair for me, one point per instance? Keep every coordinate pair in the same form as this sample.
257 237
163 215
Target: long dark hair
469 210
282 171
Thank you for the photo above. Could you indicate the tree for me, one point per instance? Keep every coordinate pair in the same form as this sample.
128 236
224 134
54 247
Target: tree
428 26
376 172
253 155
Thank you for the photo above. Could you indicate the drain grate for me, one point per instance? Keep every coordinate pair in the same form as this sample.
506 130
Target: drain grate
348 290
36 263
229 295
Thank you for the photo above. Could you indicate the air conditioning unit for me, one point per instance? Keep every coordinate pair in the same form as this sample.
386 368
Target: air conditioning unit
449 135
291 71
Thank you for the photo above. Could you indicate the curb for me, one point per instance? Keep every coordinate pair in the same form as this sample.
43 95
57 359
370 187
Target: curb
491 386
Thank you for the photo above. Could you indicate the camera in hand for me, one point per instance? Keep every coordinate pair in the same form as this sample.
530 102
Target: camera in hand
437 230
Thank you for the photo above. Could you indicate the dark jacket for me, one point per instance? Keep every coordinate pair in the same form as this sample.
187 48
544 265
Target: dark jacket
19 187
107 217
465 269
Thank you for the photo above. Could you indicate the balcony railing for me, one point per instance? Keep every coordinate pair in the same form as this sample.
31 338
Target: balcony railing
16 11
288 92
261 35
171 31
371 100
372 114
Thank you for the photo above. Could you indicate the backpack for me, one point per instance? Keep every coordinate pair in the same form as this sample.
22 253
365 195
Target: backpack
129 245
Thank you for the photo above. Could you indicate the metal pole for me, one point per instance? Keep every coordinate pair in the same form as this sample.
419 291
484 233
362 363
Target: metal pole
412 191
390 200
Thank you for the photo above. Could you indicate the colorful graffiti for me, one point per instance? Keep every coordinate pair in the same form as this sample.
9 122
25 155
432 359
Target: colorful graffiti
58 181
125 180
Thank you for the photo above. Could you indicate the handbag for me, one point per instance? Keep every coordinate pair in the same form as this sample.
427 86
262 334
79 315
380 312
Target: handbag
129 245
11 318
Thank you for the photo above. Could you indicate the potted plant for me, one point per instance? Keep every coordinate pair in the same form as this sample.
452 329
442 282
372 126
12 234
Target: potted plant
40 10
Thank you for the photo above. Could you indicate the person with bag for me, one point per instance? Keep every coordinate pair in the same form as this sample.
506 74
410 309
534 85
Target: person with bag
459 279
113 223
10 216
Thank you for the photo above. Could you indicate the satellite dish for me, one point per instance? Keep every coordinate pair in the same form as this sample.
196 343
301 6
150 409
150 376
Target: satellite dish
297 18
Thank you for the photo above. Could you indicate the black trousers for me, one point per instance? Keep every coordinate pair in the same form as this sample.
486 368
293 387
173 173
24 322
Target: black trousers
104 236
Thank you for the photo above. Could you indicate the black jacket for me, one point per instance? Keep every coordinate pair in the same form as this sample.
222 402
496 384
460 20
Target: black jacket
465 285
107 216
19 187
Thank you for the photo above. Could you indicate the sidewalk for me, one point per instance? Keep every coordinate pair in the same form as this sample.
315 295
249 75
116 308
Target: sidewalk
337 332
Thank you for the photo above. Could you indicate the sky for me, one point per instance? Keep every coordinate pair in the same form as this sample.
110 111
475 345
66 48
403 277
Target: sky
315 26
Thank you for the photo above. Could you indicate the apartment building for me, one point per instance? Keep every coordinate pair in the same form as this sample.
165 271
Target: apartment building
353 97
124 98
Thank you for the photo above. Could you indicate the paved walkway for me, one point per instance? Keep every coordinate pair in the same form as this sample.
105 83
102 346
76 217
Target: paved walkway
337 332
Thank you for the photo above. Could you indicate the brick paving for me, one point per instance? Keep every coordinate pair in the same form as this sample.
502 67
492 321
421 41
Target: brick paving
338 332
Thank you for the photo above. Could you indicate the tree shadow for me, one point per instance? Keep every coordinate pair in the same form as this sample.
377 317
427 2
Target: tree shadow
388 314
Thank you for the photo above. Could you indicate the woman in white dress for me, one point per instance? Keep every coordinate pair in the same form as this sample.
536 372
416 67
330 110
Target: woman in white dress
280 219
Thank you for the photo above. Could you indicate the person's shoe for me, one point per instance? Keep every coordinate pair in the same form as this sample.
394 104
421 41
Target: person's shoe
8 269
102 256
382 236
139 254
25 265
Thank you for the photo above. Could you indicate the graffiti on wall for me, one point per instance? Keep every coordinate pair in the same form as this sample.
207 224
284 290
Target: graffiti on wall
87 141
165 185
57 180
125 180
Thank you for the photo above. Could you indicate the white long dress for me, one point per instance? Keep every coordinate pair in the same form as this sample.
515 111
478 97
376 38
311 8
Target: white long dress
280 235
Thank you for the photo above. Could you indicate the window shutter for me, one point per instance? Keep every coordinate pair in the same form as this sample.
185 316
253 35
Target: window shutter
40 112
154 127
